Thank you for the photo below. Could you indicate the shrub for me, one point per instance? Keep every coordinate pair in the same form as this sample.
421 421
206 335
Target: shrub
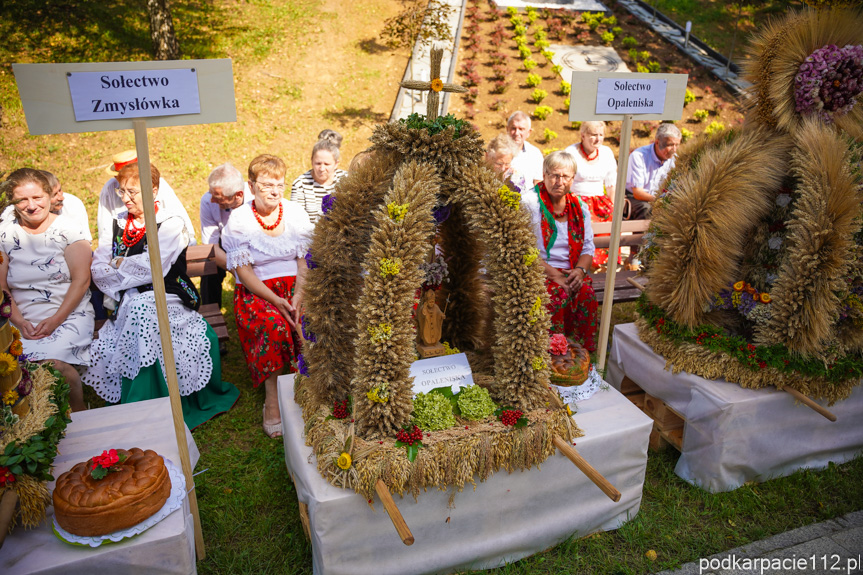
566 104
497 58
556 69
529 64
469 111
512 10
472 79
643 55
633 55
499 72
471 95
516 21
641 69
547 151
542 112
498 105
541 44
533 80
547 54
607 37
565 88
540 35
610 21
520 30
714 128
685 134
494 15
549 135
689 97
538 95
654 67
617 31
588 17
499 86
576 125
699 115
520 41
593 25
629 42
524 52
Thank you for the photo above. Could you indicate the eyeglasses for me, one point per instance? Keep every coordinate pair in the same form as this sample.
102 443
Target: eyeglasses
131 192
556 177
268 187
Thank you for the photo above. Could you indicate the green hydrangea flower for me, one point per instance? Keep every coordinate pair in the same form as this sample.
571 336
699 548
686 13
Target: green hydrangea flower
433 412
475 403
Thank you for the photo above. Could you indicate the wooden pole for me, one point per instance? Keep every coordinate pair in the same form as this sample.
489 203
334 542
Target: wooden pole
7 510
154 251
616 221
586 468
635 284
808 402
394 513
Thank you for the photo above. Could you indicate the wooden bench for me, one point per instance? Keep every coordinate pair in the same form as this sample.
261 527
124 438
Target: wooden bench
634 230
200 262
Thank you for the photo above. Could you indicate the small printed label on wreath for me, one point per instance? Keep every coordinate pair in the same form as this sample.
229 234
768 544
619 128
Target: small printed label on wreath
448 370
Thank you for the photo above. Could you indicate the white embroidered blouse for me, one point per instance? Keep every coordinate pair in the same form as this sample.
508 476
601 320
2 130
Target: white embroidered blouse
245 242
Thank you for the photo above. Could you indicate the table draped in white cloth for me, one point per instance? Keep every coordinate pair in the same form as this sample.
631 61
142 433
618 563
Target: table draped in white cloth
508 517
734 435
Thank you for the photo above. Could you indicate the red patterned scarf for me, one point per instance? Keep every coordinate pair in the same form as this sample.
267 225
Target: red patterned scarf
574 219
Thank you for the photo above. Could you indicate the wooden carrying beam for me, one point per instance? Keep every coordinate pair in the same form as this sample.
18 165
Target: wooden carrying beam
808 402
394 513
586 468
8 503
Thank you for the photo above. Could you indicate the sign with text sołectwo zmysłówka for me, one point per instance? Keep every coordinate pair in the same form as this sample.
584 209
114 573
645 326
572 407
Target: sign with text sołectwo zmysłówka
620 96
133 93
451 371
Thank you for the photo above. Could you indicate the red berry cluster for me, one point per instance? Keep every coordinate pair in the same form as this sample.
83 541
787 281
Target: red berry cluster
510 417
414 436
340 409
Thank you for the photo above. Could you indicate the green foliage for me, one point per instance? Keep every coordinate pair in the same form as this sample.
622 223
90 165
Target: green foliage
689 97
540 35
654 67
512 11
549 135
547 151
565 87
541 44
576 125
685 134
714 128
520 41
641 69
520 30
533 80
629 42
617 31
538 95
529 64
542 112
643 55
633 54
475 403
432 412
419 122
547 54
524 52
700 115
609 21
566 105
607 37
556 69
532 16
419 21
593 25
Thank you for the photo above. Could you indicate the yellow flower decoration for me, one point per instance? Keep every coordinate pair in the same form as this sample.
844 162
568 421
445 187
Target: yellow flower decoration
509 197
17 348
7 364
380 332
390 267
397 211
437 84
447 350
10 397
530 257
538 364
344 461
736 298
739 286
379 394
536 310
15 333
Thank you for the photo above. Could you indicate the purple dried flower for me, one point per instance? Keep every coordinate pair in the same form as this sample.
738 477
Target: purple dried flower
829 81
310 263
327 203
441 213
25 386
301 365
308 334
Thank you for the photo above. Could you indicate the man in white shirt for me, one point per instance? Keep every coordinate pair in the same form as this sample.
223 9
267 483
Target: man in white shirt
110 203
529 160
62 204
227 191
648 167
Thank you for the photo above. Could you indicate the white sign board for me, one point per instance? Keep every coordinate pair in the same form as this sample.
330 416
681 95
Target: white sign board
50 106
446 370
134 93
616 96
608 96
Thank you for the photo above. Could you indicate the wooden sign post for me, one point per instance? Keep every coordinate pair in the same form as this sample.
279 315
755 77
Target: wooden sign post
613 96
94 97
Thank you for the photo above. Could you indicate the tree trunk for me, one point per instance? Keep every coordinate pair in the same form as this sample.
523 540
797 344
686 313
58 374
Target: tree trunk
165 45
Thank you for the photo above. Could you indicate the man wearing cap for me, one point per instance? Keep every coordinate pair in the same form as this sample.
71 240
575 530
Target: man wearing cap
62 204
227 191
110 203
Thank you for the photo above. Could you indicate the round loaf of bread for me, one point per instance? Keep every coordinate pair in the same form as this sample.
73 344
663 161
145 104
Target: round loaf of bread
93 507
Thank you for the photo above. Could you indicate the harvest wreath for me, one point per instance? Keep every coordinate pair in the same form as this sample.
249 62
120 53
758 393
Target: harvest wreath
423 183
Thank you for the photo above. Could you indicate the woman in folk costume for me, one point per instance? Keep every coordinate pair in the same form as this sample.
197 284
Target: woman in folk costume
127 364
564 234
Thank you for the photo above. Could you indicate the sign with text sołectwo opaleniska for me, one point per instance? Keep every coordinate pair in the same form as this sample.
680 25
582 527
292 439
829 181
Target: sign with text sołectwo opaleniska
451 371
619 96
134 93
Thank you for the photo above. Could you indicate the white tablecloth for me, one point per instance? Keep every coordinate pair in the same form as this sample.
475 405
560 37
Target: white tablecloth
165 548
508 516
733 435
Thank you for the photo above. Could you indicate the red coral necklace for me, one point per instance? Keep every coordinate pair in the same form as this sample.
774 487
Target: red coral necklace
132 234
261 220
586 155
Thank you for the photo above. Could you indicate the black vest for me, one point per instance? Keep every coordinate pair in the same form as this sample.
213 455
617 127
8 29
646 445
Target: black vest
176 280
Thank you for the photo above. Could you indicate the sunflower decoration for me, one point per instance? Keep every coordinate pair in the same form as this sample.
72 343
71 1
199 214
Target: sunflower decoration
7 364
437 84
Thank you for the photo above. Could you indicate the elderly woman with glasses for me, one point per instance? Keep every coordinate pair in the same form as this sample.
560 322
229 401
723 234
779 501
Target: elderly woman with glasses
127 361
561 223
266 241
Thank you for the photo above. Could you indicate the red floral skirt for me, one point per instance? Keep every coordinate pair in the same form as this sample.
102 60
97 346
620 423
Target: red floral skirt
601 210
574 316
268 343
